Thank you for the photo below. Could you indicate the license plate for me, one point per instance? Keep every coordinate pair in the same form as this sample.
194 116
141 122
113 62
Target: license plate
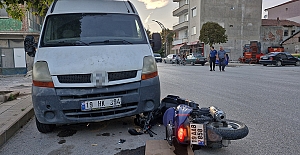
100 104
197 134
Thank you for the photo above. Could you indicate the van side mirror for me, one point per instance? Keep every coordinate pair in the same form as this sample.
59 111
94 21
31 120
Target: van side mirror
156 42
30 45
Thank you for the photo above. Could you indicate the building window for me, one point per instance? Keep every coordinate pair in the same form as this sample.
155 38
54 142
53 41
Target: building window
194 12
186 34
186 1
299 39
194 30
230 25
186 17
286 33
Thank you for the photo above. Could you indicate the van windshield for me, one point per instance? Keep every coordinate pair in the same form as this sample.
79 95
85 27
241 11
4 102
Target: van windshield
92 29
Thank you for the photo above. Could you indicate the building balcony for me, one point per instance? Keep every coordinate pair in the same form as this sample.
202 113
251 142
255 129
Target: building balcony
179 41
181 26
181 10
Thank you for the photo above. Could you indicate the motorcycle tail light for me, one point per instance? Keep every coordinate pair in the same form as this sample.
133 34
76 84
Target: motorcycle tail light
181 133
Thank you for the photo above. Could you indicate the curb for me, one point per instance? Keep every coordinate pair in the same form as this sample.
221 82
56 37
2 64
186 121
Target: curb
15 117
9 95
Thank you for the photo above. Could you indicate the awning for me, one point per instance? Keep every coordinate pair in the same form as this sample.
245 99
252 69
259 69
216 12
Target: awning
193 43
176 47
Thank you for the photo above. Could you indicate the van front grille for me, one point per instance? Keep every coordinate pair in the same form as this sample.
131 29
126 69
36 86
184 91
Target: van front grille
77 113
74 78
97 95
114 76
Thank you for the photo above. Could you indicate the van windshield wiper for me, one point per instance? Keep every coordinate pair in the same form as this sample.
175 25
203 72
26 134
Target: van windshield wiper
72 43
111 41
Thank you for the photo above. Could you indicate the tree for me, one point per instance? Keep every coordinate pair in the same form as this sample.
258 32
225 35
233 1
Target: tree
167 38
16 8
148 32
212 33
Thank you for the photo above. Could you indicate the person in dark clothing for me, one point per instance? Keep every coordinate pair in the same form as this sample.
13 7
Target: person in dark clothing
222 59
212 58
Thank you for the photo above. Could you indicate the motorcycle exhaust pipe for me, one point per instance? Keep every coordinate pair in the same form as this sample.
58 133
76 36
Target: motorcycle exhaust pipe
217 113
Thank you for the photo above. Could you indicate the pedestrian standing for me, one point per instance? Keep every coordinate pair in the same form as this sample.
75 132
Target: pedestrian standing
212 58
222 59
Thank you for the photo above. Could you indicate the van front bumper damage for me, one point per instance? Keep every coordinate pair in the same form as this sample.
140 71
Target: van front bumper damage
63 105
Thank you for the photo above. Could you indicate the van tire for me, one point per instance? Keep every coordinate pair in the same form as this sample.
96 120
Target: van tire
44 128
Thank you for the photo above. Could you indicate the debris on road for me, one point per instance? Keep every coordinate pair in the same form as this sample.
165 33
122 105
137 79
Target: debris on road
121 141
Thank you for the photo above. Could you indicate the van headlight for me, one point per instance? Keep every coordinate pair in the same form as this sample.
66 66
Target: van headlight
149 68
41 76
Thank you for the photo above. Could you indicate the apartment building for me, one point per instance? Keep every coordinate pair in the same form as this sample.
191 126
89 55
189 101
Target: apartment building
13 59
240 18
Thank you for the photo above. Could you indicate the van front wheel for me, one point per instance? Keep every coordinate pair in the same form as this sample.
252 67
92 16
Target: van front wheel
44 128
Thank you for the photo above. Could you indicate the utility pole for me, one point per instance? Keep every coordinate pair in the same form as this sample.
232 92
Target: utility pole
165 34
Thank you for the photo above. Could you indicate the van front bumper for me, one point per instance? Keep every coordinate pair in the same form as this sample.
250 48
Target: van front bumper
63 105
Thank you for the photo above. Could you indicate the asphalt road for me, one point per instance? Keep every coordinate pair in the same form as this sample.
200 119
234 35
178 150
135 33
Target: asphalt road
266 99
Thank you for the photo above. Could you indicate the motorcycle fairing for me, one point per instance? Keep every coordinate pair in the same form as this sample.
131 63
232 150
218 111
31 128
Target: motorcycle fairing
169 116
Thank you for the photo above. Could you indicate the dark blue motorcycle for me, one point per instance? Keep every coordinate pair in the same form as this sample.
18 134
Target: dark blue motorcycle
187 124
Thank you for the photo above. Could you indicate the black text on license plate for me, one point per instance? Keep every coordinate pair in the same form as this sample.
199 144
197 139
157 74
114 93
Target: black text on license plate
197 134
100 104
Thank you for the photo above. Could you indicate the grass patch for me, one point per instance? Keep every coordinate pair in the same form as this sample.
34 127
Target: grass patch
11 97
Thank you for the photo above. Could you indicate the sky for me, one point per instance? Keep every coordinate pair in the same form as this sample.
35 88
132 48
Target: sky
162 11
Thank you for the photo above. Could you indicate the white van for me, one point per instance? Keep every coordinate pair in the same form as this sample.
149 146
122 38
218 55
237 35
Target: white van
93 62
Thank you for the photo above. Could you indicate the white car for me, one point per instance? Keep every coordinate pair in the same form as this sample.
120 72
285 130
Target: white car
171 58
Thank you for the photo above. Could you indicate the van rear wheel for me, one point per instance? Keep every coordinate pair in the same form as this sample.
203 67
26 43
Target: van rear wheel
44 128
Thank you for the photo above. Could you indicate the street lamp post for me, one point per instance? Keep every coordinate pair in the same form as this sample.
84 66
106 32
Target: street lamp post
165 34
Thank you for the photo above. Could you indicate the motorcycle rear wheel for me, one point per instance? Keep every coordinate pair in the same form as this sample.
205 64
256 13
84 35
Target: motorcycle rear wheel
233 131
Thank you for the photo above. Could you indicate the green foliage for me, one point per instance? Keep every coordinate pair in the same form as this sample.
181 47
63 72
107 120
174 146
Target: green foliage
167 34
16 8
11 97
148 33
212 33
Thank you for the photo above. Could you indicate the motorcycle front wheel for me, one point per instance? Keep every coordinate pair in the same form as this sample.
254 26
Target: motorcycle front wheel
230 129
169 134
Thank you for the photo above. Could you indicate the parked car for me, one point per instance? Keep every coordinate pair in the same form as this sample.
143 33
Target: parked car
171 58
157 57
191 59
279 59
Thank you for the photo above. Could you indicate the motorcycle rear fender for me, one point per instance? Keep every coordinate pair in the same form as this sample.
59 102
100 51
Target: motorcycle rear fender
183 111
169 116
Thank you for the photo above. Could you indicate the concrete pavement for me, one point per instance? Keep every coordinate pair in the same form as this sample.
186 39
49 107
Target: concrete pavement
15 105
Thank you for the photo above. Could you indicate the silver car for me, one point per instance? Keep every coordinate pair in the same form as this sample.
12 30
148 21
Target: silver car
171 58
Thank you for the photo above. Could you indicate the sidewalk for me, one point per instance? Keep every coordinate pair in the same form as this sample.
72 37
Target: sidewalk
15 113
